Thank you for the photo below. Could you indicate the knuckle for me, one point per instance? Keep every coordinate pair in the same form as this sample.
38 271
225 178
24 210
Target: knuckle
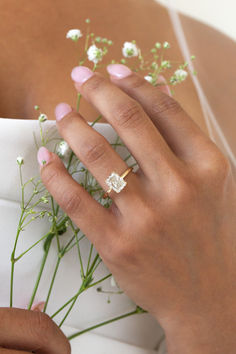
51 175
165 105
217 168
93 152
129 114
70 202
94 84
135 82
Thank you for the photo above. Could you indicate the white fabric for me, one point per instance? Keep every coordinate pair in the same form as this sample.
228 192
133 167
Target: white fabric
212 12
16 138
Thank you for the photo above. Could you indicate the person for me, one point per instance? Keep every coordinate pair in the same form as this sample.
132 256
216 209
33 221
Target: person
172 226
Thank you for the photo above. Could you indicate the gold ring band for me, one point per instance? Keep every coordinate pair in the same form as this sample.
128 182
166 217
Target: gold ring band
116 182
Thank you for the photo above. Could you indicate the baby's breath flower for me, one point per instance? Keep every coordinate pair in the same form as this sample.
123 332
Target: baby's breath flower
148 78
74 34
63 149
158 45
95 54
181 74
87 20
129 50
44 200
20 160
166 45
42 118
165 64
36 107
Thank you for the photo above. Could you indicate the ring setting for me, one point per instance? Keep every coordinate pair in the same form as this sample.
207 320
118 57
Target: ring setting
116 182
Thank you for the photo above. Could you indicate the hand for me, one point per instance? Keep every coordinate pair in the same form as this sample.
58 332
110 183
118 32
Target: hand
23 332
169 236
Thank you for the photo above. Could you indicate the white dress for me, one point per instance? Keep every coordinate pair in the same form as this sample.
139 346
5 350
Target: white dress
139 334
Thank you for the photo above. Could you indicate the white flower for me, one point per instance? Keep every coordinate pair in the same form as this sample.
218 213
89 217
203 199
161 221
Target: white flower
20 160
63 149
166 45
148 78
181 74
94 54
42 118
130 50
165 64
74 34
113 282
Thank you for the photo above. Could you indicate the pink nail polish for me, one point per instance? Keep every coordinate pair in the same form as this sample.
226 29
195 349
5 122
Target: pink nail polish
38 307
43 156
80 74
61 110
120 71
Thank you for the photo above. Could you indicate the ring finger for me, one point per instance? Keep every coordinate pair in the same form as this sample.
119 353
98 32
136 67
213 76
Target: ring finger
94 151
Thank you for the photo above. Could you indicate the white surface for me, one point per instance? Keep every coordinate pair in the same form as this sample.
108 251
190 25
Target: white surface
217 13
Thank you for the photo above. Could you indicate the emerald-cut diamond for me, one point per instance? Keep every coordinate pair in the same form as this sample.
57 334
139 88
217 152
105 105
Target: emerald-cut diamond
116 182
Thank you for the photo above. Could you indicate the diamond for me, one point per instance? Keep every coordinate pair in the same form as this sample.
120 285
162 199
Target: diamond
116 182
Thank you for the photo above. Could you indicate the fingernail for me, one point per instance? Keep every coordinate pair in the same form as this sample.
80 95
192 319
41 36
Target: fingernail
61 110
38 307
80 74
120 71
43 156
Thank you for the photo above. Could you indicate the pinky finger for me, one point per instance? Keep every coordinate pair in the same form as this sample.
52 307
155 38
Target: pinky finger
93 219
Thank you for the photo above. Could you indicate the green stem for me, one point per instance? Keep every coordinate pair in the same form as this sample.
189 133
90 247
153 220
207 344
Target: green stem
78 101
73 297
103 324
52 283
30 248
13 259
39 276
72 305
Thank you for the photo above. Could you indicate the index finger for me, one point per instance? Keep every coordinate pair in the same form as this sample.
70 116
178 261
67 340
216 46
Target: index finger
31 331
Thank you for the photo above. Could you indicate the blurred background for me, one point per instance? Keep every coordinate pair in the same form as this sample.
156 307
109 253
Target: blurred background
217 13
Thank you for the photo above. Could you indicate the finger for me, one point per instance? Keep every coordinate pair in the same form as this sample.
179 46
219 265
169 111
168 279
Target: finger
180 132
31 331
77 203
12 351
94 151
127 117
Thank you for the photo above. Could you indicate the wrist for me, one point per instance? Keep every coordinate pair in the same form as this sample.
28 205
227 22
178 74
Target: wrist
202 334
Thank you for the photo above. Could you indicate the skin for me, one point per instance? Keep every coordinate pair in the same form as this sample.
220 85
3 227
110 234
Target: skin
190 272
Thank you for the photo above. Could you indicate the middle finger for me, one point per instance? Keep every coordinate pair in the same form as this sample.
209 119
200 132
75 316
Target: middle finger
128 118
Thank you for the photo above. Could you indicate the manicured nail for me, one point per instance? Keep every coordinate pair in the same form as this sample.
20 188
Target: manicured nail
120 71
38 307
80 74
43 156
61 110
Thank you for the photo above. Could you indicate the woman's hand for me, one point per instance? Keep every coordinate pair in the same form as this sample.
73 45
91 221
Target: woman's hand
169 236
23 332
